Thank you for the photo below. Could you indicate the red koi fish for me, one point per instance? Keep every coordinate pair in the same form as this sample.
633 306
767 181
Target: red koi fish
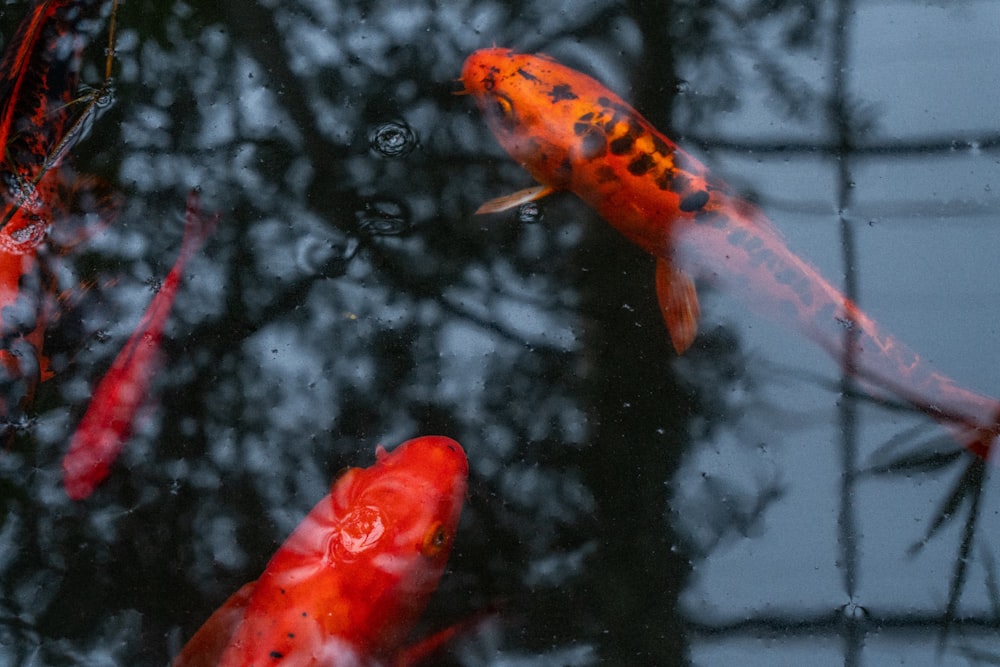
107 423
22 329
572 133
39 72
77 206
351 581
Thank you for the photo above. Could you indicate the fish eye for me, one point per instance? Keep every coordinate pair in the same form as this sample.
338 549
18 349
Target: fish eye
435 540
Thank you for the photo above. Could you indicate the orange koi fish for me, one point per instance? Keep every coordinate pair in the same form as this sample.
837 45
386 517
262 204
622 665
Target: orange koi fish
572 133
107 423
351 581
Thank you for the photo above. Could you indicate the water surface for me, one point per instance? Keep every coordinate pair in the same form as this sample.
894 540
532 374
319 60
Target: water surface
626 506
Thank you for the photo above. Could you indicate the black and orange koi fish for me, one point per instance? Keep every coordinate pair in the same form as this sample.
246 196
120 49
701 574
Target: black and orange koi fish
572 133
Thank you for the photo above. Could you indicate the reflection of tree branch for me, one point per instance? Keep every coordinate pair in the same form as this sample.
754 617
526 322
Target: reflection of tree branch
246 19
986 142
797 623
968 487
237 326
992 581
389 261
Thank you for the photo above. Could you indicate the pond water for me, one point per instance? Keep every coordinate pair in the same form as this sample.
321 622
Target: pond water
738 504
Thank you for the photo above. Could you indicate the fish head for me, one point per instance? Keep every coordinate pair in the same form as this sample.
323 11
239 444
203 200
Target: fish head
412 498
353 578
532 107
394 528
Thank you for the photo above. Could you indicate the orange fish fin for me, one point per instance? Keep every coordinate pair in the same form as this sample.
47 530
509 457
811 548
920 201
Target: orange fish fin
678 304
515 199
206 646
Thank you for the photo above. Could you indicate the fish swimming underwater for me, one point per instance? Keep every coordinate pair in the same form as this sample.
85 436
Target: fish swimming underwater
572 133
39 121
107 423
351 581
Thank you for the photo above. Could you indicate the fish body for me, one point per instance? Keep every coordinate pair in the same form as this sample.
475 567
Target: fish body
571 133
39 73
350 582
22 321
107 423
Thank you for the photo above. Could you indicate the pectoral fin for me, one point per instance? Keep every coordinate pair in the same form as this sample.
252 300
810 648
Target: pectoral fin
678 304
515 199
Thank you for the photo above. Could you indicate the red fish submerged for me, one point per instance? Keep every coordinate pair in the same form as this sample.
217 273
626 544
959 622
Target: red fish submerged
22 297
572 133
28 284
106 425
39 73
353 578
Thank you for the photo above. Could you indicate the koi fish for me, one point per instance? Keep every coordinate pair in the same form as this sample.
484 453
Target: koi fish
107 423
572 133
351 581
22 329
39 72
28 285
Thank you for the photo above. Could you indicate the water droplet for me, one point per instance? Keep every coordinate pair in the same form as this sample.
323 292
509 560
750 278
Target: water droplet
393 139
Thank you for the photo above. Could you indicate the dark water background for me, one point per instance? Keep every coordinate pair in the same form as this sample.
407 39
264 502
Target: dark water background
626 507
